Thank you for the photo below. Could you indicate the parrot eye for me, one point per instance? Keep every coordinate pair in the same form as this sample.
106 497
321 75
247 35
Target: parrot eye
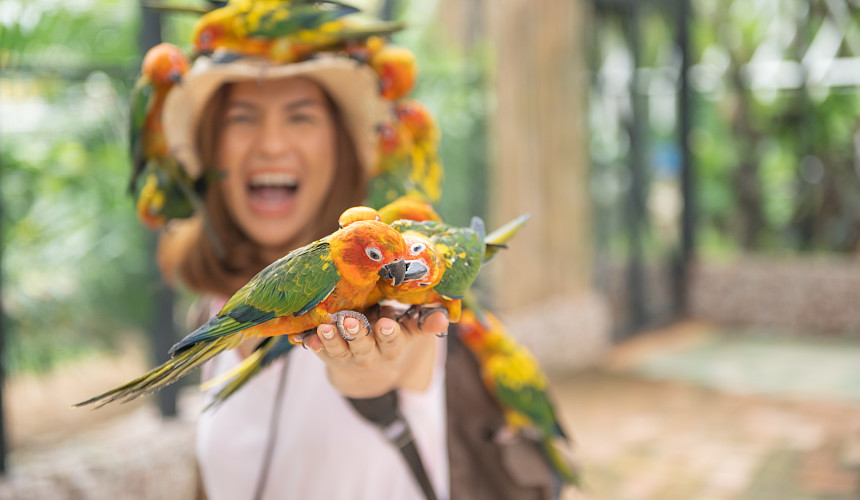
373 253
417 248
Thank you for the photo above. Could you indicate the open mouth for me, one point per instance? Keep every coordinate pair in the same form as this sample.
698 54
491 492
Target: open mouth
272 191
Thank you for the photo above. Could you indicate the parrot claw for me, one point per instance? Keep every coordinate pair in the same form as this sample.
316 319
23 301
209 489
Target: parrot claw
427 311
338 318
411 312
442 334
304 336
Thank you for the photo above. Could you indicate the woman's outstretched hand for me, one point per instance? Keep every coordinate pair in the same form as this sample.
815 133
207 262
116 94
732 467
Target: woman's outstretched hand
394 355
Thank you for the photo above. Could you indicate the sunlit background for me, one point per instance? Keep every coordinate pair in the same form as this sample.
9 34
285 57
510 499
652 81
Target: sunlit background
689 277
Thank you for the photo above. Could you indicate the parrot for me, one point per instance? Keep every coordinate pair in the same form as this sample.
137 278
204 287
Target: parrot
163 66
169 192
397 71
321 282
282 31
424 270
513 377
409 160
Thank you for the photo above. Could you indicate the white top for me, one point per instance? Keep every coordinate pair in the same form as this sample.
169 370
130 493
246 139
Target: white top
323 450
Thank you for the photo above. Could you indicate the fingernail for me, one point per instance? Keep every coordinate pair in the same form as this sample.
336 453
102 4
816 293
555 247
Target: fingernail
386 330
352 330
327 332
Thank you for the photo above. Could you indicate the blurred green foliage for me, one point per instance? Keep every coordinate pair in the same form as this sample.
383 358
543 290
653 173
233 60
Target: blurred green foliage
76 264
775 153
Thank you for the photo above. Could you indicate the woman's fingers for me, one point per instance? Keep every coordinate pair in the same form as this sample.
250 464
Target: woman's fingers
389 338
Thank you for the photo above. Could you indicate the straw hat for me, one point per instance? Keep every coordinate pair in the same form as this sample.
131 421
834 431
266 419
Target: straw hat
353 86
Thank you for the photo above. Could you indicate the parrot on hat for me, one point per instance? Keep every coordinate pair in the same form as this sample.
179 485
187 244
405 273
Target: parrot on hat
282 31
514 378
169 192
321 282
409 160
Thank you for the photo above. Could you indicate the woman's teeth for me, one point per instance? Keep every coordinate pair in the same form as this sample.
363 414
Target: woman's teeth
273 179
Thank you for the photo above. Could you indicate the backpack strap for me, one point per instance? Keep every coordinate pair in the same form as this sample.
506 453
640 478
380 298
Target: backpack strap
383 411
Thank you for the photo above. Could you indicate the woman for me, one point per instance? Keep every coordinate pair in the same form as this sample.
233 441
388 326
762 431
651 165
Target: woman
291 147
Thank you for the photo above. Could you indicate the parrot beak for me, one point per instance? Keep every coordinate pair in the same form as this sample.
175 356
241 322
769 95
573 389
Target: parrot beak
415 269
394 271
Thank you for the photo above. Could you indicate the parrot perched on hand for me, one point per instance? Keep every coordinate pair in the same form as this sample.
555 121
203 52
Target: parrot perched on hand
424 270
282 31
321 282
513 377
461 252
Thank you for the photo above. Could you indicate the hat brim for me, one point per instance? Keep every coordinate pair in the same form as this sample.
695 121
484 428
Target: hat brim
352 86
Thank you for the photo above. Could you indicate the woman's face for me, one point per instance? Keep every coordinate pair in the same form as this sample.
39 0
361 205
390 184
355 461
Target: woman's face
277 149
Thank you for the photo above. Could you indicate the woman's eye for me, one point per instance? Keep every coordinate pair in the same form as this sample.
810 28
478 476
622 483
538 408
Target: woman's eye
373 253
239 118
301 118
417 248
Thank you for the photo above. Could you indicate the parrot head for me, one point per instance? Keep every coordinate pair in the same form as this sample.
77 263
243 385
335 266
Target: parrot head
367 250
424 267
397 71
164 65
210 31
356 214
417 119
393 139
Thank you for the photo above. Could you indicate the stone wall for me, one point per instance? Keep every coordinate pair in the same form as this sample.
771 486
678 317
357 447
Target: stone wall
807 295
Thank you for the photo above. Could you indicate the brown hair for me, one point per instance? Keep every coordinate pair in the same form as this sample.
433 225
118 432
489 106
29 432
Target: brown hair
187 255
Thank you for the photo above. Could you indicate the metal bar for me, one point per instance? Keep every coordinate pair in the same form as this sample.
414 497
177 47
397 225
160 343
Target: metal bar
688 194
635 203
161 328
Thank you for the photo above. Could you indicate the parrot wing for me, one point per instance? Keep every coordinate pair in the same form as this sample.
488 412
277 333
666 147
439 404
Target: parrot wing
293 284
140 98
275 19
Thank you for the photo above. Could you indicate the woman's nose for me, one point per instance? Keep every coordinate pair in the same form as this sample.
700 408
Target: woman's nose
273 140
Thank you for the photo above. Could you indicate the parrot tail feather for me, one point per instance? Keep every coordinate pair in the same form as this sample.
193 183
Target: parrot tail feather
560 455
498 238
265 355
165 374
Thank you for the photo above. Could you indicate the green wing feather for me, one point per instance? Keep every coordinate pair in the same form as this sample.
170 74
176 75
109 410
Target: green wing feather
140 98
282 21
291 285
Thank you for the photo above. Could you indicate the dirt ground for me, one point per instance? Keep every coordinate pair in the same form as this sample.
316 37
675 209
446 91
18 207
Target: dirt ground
645 430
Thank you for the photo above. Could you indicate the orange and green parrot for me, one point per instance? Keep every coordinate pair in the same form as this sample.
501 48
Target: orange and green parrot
169 192
397 71
163 67
460 252
409 161
282 31
319 283
514 378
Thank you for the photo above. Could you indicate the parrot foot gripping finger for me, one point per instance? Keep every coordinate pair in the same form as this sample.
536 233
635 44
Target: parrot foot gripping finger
424 312
338 318
410 312
304 336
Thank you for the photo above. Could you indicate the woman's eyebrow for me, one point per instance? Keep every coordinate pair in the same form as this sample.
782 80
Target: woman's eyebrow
240 104
308 101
